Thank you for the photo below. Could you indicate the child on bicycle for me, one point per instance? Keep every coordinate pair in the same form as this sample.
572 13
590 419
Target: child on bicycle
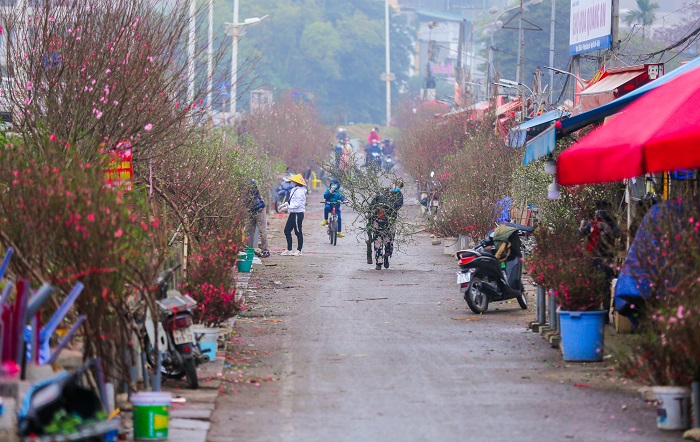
334 194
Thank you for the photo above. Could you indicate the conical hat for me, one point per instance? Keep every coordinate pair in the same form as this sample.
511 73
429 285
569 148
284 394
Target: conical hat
298 179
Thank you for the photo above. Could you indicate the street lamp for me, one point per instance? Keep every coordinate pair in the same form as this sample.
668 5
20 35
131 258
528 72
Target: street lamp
498 24
234 53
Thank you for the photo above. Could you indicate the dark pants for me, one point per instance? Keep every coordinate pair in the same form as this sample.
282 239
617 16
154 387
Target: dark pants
383 240
608 274
327 211
294 223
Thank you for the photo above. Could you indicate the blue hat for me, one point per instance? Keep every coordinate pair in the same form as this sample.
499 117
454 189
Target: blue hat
335 181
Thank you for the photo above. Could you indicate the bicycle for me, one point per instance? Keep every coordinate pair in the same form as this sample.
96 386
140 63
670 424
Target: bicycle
333 222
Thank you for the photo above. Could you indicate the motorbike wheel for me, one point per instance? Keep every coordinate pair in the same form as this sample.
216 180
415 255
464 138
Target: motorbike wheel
151 360
477 301
522 300
191 373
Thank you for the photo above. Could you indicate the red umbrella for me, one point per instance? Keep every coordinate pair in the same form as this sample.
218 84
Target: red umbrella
658 132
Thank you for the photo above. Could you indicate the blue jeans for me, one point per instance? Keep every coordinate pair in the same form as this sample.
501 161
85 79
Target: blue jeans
327 210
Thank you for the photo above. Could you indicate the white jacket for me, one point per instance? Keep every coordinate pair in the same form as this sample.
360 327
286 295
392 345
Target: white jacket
297 200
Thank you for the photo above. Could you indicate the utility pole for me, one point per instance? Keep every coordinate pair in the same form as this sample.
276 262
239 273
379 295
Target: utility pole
210 58
551 51
190 53
615 29
388 64
521 47
234 64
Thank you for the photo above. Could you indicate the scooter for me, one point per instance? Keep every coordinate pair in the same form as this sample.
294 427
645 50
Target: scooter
283 191
179 350
482 278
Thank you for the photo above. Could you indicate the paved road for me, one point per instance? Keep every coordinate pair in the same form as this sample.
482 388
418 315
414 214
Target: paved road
333 350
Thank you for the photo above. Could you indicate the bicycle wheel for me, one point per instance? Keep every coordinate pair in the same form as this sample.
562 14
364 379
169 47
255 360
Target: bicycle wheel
333 229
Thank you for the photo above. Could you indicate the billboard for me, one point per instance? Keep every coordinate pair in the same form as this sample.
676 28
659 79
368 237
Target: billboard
590 25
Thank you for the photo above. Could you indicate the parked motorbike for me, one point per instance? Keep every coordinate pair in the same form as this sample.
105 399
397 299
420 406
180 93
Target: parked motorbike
283 192
179 350
484 279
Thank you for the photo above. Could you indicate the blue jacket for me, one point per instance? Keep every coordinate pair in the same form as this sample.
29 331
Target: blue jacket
335 196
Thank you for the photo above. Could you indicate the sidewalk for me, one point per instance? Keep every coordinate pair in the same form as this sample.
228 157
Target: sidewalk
190 422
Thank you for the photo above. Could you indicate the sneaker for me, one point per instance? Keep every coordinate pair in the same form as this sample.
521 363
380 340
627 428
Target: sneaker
287 253
379 267
324 222
296 253
341 235
265 254
386 262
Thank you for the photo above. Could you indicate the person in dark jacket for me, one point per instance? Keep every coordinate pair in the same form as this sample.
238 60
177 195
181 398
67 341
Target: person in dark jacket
256 217
383 213
333 194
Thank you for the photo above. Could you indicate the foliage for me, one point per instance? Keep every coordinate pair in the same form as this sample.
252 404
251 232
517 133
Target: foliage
360 186
474 179
668 268
332 51
560 261
291 132
643 15
67 226
95 85
209 281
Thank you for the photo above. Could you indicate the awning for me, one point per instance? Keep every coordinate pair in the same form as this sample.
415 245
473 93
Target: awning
580 121
512 105
518 135
604 91
540 146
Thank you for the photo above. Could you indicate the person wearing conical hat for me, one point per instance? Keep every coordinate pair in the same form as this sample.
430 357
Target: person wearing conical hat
296 208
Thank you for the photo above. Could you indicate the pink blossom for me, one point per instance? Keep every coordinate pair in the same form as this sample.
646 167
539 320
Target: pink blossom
118 233
52 137
148 127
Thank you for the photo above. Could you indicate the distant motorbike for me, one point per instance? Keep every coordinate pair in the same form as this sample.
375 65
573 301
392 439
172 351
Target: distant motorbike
374 159
388 162
484 279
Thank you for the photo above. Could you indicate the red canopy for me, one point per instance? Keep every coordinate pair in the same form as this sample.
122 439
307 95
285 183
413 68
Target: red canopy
658 132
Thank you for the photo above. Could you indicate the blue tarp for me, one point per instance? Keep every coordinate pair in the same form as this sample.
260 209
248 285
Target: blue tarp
577 122
540 146
517 136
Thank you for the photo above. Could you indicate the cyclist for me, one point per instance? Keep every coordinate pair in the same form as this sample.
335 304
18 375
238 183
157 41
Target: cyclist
333 194
384 210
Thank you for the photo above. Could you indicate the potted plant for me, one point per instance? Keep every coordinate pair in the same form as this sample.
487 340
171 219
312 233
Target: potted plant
560 261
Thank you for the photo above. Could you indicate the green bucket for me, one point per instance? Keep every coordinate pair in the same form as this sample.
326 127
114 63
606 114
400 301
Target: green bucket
151 415
245 266
250 251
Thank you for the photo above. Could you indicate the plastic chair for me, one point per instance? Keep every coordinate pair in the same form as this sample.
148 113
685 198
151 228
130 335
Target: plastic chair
315 182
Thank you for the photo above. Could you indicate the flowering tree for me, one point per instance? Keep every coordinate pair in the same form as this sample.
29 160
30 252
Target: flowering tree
292 132
100 72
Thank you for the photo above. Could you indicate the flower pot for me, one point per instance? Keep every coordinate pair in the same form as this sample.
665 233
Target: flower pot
582 335
672 407
450 245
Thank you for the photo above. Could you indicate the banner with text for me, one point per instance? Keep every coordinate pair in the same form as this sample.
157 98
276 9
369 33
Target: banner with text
590 25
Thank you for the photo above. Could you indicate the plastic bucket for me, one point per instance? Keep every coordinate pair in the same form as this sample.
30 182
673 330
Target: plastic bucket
582 335
250 252
151 415
208 342
672 407
245 266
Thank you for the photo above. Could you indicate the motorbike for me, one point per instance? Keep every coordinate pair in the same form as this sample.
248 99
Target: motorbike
374 159
431 197
388 162
283 191
179 350
483 279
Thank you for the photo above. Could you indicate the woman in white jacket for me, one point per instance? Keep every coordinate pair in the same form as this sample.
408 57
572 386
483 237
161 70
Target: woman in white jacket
296 208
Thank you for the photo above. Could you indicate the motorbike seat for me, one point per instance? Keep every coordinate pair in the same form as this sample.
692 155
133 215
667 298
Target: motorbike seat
526 229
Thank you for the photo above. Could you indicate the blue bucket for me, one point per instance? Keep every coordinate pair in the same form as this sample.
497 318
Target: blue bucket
582 335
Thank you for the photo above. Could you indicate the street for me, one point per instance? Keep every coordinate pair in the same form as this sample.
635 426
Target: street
332 349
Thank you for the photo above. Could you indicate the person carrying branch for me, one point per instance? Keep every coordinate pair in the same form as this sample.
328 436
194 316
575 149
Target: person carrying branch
383 213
